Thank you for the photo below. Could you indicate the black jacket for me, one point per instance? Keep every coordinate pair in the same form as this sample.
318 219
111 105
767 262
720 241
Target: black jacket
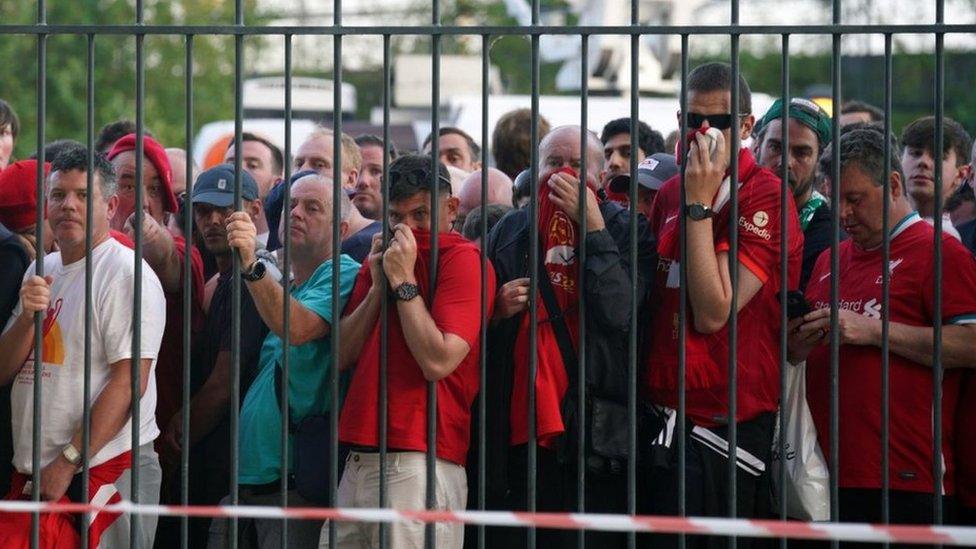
608 304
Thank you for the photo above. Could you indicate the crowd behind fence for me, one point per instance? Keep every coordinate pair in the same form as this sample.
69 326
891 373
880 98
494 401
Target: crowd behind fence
597 327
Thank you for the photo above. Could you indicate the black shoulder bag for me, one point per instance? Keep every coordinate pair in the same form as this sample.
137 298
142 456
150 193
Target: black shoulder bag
313 451
606 449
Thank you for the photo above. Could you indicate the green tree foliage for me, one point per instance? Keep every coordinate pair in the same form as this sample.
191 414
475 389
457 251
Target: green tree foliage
115 68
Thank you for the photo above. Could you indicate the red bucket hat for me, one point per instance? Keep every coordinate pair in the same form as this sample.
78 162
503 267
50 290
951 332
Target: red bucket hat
156 154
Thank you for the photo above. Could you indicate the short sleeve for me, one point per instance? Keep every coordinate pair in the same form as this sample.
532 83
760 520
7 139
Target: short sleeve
115 318
457 301
318 296
958 282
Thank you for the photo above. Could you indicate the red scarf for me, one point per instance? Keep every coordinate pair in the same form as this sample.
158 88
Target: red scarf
558 241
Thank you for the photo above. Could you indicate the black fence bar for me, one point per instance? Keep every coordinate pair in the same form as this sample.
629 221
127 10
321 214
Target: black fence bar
384 410
835 268
682 425
886 296
581 293
784 274
937 371
135 541
532 446
733 321
187 291
286 299
534 30
430 497
336 252
632 351
483 333
235 307
89 198
39 271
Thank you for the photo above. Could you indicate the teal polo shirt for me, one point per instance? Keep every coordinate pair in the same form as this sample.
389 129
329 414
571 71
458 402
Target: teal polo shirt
308 379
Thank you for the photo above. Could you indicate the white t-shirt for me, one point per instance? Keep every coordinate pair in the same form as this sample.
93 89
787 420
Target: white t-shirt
63 375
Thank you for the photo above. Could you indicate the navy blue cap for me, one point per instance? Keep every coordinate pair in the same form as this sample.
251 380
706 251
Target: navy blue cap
216 186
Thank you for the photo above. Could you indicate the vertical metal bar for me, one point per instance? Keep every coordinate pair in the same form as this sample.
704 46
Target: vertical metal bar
187 291
834 281
336 251
430 537
885 296
532 446
581 303
235 307
784 271
937 371
134 527
632 343
39 271
483 334
89 206
681 426
734 270
384 412
286 299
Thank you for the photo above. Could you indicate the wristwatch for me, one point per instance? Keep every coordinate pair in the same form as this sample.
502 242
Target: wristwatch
406 291
71 454
697 211
255 273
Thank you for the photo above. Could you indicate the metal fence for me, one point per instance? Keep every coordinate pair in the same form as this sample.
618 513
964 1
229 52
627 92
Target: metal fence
437 32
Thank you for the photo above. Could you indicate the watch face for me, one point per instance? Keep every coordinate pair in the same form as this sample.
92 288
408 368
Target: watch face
406 291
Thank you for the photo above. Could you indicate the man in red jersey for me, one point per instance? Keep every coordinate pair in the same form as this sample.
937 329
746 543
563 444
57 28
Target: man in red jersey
911 315
434 336
707 217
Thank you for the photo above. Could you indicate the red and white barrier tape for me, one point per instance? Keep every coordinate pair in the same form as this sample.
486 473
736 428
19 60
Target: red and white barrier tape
878 533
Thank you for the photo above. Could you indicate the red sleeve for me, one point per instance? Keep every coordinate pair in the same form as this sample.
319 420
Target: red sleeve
664 203
364 281
759 229
958 281
457 303
196 268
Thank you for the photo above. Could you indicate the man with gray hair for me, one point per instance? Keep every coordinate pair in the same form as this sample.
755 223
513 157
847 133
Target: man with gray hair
310 357
864 181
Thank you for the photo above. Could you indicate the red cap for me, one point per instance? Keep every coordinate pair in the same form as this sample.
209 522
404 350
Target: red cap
156 154
18 194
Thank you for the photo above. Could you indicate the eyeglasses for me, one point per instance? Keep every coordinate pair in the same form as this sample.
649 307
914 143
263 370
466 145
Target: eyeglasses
717 121
419 177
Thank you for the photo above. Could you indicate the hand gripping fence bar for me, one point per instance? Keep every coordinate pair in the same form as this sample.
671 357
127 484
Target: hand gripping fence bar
851 532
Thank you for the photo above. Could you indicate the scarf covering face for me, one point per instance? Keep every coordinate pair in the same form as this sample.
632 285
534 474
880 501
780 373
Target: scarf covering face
421 269
558 242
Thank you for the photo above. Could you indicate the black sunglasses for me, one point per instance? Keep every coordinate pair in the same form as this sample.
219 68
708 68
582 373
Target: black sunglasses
717 121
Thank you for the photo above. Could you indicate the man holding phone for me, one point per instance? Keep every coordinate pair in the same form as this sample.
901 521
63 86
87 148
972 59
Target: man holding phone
911 313
707 218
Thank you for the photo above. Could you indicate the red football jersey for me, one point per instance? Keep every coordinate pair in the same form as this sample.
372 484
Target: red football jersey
759 233
911 295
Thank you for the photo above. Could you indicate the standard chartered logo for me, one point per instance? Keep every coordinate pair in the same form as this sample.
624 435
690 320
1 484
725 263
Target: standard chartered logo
872 309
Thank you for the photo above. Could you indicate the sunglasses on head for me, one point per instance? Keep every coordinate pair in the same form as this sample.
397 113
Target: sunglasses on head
419 177
717 121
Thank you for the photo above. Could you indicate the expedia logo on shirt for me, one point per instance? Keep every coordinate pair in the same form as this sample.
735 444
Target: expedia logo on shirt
751 227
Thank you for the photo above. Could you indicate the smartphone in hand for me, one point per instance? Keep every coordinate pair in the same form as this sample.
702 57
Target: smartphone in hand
796 304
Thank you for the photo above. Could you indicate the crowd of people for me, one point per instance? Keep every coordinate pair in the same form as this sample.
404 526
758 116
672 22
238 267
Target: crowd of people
433 323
